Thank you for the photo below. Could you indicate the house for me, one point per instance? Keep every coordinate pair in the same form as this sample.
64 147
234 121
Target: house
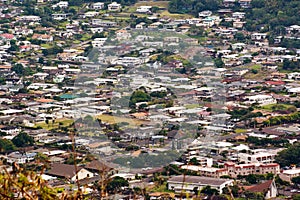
7 36
43 37
293 29
238 15
96 30
155 25
97 166
100 22
114 6
29 18
21 31
144 9
61 4
208 21
98 6
19 158
257 157
91 14
60 16
258 36
140 25
190 183
245 3
68 172
205 13
261 99
238 24
268 188
294 76
10 130
207 171
228 3
287 175
123 34
98 42
252 168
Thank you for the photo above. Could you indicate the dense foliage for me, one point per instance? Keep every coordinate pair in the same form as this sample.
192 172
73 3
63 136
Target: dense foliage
272 14
23 140
193 6
263 16
289 156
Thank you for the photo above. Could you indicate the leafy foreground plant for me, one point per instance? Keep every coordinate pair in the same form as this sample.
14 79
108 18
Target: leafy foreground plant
23 184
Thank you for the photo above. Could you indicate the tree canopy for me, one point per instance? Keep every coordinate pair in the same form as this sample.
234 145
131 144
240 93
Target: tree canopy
6 145
289 156
23 140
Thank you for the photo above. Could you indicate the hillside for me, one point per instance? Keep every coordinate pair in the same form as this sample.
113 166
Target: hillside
262 15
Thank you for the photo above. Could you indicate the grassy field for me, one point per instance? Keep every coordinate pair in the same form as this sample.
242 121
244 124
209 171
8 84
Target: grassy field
256 76
240 130
64 122
46 45
115 119
175 16
191 106
276 107
160 4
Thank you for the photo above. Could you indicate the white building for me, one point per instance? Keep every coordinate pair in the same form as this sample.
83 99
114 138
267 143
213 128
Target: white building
260 99
144 9
287 175
91 14
259 157
98 6
205 13
98 42
190 183
30 18
252 168
294 75
258 36
17 157
239 15
114 6
62 4
59 16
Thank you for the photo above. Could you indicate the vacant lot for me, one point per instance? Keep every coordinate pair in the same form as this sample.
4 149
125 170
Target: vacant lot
116 119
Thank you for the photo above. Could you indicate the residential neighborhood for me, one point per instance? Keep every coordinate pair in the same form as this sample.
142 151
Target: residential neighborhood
149 99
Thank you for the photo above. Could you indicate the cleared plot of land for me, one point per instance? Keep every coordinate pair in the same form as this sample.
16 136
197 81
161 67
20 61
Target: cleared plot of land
175 16
160 4
191 106
240 130
277 107
115 119
57 123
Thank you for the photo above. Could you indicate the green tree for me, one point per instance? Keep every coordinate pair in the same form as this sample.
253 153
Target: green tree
209 191
289 156
251 178
239 36
194 161
23 140
296 180
139 96
18 68
219 63
6 145
116 184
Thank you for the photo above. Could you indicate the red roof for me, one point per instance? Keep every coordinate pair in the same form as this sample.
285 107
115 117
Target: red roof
7 36
270 165
263 187
275 82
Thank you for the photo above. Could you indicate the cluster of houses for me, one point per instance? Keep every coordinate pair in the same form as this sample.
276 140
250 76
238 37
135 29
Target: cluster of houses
48 77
